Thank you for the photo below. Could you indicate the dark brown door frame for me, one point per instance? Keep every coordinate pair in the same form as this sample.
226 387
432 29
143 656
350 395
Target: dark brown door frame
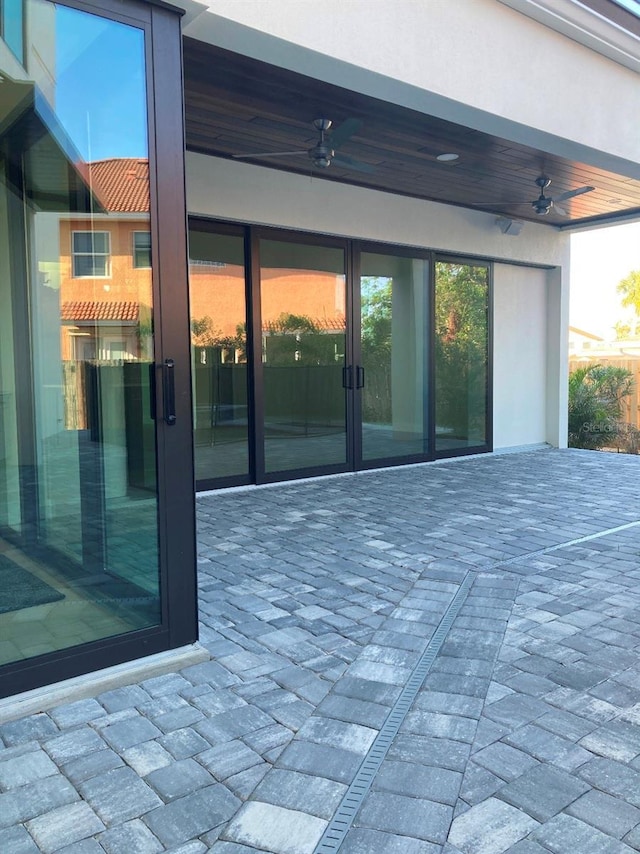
353 251
174 442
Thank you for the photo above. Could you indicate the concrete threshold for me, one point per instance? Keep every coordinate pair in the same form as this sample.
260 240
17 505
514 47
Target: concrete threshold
92 684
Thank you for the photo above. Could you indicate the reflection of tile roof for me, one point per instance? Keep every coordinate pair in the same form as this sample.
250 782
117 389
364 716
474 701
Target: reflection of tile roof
121 183
84 311
322 324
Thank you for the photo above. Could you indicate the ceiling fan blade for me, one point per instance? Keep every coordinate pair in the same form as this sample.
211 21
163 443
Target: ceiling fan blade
571 193
342 133
270 153
560 211
355 165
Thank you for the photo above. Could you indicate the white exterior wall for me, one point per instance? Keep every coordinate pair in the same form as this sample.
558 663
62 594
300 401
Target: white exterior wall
520 356
530 305
476 62
245 193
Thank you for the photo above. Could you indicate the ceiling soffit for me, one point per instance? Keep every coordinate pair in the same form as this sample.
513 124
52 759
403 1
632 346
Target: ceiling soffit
239 106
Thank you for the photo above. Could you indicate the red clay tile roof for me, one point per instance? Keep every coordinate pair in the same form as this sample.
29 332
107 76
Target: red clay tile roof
121 183
323 324
83 311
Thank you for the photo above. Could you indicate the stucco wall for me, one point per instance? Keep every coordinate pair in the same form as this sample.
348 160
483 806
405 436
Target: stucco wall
246 193
520 356
476 62
530 304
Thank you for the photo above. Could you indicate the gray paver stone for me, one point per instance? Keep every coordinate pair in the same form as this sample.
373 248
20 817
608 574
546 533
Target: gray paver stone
337 733
17 841
147 757
293 790
183 743
243 784
86 767
130 732
134 837
119 795
406 778
608 814
64 826
404 816
27 729
543 791
612 777
363 840
504 760
193 815
273 828
24 769
179 778
490 828
38 797
321 760
566 833
228 759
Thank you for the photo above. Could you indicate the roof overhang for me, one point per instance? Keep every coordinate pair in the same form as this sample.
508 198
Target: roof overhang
240 106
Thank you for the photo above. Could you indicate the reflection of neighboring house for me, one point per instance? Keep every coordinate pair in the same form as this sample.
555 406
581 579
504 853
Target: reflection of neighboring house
105 331
105 267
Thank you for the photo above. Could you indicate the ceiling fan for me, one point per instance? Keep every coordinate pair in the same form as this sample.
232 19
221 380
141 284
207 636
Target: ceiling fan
545 204
323 153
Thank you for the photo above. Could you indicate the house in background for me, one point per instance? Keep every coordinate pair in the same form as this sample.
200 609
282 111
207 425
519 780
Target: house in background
379 200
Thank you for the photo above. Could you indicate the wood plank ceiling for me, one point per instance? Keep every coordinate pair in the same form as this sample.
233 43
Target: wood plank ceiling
238 106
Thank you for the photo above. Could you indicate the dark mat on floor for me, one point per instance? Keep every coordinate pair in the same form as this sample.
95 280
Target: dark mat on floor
20 589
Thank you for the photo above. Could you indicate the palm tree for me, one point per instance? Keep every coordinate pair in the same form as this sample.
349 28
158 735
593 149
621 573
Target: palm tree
596 395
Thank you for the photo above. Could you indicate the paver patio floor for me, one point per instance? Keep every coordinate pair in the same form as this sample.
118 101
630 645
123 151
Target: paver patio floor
318 601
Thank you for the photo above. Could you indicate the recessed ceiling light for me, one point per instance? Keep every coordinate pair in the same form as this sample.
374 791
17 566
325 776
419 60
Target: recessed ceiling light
447 157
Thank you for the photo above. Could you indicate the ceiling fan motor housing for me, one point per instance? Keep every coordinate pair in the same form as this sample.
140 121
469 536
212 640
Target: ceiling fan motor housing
321 155
542 206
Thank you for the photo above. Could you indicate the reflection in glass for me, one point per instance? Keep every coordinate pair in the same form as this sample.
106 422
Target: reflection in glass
78 506
303 349
219 352
461 355
393 295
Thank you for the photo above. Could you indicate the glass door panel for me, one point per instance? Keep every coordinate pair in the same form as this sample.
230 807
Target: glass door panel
461 356
393 345
219 352
79 554
303 309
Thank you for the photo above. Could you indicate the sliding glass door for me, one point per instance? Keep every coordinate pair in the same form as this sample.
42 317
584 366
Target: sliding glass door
90 408
302 334
392 376
462 348
217 287
314 355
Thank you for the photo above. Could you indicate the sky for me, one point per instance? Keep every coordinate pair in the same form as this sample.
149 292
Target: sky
100 85
599 260
631 5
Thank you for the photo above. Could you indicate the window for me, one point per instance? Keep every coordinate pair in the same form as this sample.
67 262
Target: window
12 26
91 254
141 249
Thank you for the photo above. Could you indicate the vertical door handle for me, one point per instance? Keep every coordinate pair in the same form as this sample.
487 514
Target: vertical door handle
347 376
169 391
359 377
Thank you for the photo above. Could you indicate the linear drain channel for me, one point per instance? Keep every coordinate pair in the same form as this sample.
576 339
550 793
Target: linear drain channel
336 831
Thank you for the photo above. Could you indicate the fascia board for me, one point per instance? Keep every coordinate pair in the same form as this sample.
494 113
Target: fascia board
585 26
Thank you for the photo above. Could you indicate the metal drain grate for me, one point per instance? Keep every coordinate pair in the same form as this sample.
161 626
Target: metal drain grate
342 820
